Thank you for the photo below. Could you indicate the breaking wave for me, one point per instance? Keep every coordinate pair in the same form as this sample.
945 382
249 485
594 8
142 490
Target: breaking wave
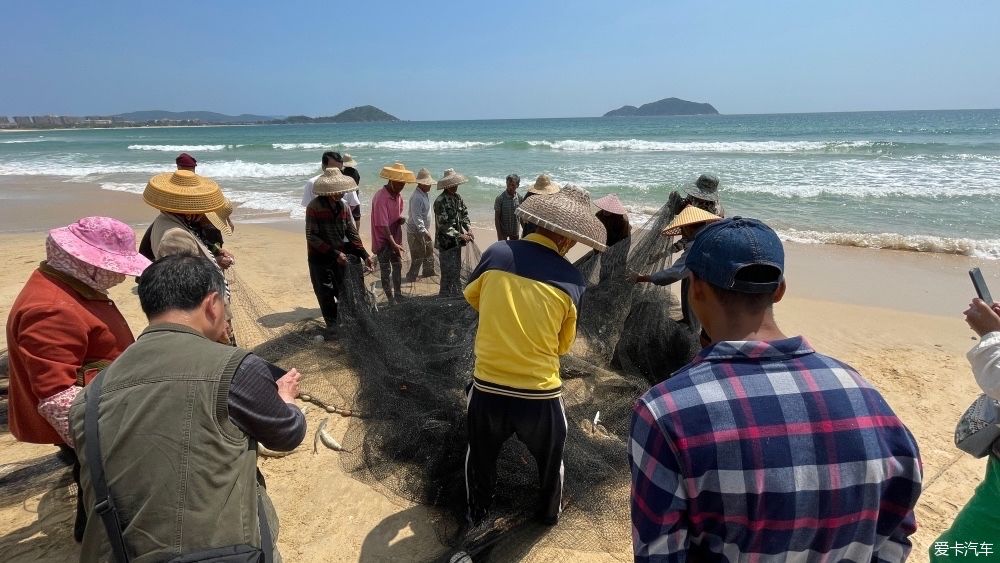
987 248
182 148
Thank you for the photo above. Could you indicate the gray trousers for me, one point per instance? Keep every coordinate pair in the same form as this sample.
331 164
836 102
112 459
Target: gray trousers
421 255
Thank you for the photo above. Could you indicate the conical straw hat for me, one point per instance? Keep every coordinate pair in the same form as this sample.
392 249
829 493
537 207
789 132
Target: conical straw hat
332 182
398 173
544 185
220 218
611 204
451 179
183 192
566 212
424 178
690 215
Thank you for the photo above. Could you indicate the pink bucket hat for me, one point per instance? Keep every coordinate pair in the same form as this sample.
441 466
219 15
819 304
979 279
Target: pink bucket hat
611 204
103 242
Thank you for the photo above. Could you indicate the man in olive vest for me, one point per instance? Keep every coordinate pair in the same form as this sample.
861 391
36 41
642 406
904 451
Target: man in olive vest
178 418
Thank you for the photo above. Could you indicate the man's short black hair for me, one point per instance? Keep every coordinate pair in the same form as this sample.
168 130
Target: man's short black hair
754 303
352 173
514 178
178 282
331 155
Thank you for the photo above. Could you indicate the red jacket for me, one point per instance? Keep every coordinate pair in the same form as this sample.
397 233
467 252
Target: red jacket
57 325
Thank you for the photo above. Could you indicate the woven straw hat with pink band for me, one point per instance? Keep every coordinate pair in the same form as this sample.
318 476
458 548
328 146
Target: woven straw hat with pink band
103 242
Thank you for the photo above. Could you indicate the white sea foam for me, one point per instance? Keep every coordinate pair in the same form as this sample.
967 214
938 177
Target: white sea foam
573 145
214 169
300 146
132 188
22 141
426 145
182 148
987 248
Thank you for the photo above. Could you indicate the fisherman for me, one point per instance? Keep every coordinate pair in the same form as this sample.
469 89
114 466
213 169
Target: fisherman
613 215
418 229
688 223
527 295
387 228
331 236
504 207
452 231
184 198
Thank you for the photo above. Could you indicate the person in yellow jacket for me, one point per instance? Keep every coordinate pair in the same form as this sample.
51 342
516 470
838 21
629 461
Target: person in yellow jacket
527 295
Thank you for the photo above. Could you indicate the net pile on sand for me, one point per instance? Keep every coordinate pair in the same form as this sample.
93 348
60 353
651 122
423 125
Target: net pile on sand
402 370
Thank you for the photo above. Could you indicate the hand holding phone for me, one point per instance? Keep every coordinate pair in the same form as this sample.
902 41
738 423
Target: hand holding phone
980 284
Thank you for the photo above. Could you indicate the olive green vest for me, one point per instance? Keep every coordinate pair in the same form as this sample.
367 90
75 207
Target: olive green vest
182 475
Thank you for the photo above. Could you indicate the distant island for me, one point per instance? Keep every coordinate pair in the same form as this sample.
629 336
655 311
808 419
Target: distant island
185 118
666 106
360 114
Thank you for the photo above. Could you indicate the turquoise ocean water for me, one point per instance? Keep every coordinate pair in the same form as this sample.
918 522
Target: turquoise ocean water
919 180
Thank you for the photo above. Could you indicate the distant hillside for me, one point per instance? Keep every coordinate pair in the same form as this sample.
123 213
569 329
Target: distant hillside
666 106
202 116
362 114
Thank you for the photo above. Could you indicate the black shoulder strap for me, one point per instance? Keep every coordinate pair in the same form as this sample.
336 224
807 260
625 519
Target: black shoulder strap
105 506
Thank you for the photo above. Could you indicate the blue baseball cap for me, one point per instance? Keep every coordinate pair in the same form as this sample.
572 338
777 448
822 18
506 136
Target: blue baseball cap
725 249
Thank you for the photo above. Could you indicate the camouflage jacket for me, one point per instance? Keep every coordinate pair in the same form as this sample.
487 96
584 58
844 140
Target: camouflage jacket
451 219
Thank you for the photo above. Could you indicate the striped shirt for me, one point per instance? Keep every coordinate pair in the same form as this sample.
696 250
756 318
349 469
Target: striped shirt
504 206
769 451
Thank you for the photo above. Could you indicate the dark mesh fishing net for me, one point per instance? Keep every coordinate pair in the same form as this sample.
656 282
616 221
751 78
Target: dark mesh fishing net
401 372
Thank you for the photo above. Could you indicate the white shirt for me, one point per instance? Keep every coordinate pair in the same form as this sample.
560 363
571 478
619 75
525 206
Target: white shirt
350 198
420 207
985 360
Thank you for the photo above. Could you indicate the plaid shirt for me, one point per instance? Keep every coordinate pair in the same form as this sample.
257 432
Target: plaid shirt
769 451
505 205
330 227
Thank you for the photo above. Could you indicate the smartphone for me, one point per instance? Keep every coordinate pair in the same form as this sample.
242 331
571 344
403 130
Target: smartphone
980 285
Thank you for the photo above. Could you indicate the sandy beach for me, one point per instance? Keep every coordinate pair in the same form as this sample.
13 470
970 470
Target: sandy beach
895 316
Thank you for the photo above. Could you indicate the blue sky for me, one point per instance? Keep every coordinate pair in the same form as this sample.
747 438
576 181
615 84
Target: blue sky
513 59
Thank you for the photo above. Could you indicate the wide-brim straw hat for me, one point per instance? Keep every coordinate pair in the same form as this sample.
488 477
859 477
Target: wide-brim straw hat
544 186
450 179
103 242
424 178
397 172
333 182
705 188
611 204
220 218
183 192
690 215
349 161
567 213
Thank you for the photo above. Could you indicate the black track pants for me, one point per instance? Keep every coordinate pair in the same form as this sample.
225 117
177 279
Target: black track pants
539 423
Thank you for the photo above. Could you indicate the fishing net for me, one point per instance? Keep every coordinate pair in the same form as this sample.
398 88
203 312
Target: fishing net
400 371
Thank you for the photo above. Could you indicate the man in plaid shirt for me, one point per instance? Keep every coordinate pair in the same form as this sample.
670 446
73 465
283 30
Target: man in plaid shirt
761 449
